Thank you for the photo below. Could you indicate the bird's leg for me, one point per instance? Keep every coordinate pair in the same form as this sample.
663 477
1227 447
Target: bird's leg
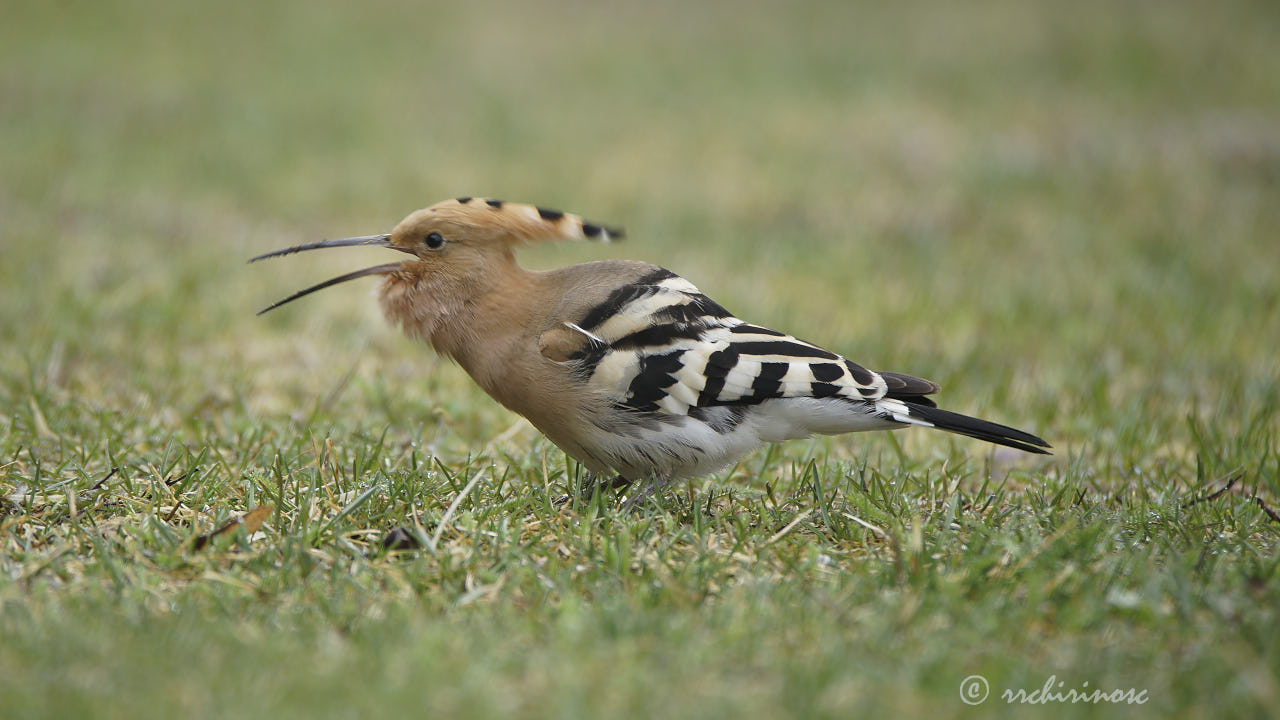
617 483
590 481
654 486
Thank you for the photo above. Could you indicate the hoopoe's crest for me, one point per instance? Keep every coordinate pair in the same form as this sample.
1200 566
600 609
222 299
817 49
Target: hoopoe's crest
479 220
625 365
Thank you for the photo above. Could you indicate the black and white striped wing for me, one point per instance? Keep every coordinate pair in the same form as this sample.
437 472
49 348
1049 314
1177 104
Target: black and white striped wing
660 345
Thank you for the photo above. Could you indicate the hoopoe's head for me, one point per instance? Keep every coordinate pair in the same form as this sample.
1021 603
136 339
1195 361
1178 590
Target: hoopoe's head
458 246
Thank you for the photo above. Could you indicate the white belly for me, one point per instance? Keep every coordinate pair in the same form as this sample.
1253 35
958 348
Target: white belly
678 446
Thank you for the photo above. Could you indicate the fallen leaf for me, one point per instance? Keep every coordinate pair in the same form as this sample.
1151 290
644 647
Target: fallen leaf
250 521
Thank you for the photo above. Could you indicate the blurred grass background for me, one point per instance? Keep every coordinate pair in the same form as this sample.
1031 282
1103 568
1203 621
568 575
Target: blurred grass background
1067 214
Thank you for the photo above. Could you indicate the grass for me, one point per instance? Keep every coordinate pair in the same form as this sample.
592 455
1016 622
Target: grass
1065 215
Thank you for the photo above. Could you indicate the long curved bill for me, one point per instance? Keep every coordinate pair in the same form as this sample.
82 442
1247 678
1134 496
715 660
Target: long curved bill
375 270
376 240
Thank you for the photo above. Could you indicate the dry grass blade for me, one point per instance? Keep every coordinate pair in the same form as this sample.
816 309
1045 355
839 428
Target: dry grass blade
249 522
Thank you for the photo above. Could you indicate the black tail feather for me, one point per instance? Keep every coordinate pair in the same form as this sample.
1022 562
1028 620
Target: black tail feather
980 429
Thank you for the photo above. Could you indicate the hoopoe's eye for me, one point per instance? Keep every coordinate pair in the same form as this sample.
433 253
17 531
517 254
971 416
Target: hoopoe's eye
434 240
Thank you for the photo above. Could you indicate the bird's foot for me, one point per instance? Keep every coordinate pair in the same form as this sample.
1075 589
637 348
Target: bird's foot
642 495
590 483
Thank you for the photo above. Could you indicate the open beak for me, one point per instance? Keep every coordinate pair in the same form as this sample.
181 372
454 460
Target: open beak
377 240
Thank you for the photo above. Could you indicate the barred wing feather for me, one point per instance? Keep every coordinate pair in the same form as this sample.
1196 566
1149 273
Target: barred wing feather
660 345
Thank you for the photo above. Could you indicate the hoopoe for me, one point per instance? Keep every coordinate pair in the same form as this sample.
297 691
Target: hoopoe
624 365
